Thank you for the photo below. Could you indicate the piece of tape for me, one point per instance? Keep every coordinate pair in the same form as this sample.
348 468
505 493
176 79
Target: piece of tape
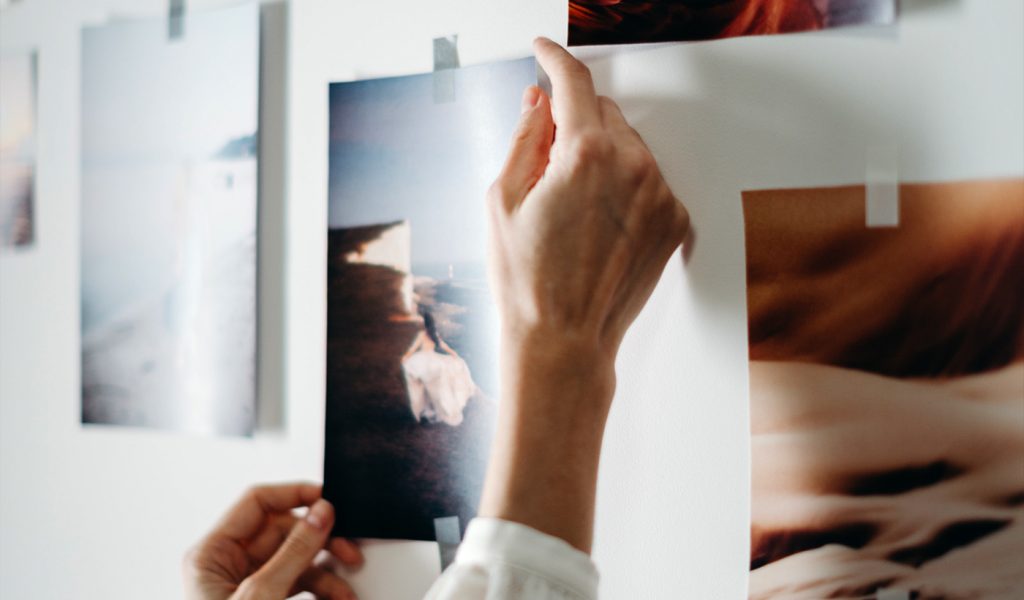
175 19
448 534
446 60
882 187
892 594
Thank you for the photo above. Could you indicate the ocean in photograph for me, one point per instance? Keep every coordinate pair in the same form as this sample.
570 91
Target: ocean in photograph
595 22
169 215
17 148
412 378
886 393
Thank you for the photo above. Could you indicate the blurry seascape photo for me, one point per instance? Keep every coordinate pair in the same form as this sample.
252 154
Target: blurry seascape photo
412 325
169 215
17 148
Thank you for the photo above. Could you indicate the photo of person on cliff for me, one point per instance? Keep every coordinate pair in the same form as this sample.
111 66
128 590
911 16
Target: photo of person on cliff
593 22
887 393
437 378
412 324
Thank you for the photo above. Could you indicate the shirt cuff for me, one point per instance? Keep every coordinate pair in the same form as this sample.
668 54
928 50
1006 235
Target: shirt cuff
489 541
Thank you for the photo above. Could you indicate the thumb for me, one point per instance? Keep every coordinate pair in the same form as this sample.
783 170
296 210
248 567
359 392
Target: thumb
307 537
531 146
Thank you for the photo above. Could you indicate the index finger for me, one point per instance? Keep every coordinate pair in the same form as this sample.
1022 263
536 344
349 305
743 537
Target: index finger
573 96
248 516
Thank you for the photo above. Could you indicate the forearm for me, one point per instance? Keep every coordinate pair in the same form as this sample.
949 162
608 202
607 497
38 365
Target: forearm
543 468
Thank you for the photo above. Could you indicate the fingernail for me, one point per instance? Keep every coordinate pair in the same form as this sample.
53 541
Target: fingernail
319 514
530 97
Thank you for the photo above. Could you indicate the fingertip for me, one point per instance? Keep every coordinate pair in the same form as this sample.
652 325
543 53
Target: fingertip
321 515
347 551
531 95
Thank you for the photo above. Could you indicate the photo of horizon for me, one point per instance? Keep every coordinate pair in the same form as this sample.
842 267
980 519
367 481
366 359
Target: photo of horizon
169 213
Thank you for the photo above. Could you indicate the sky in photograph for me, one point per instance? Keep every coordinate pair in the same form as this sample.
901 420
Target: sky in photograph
154 113
17 106
396 154
149 99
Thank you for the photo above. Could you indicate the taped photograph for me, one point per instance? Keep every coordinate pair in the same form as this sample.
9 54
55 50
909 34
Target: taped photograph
17 148
412 327
887 393
169 211
596 22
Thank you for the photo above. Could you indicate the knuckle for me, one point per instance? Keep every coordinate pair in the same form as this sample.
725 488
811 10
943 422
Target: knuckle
590 147
576 68
498 195
639 167
682 218
299 545
254 492
252 588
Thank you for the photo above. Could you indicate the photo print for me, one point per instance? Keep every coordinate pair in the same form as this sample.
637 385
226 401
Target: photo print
412 328
169 211
17 148
887 393
596 22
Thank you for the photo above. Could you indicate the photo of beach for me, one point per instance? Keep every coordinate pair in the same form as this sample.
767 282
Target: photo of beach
595 22
887 393
412 327
17 148
169 213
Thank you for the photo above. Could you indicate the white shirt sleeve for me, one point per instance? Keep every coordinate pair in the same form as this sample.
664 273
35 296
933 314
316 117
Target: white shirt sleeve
501 560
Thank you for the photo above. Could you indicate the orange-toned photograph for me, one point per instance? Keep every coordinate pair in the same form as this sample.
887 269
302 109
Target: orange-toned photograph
595 22
887 393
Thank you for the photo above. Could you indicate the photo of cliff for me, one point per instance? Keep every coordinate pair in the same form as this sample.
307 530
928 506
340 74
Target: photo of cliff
412 328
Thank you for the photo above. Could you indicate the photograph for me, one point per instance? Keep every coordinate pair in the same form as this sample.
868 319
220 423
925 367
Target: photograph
168 223
17 148
597 22
412 327
887 393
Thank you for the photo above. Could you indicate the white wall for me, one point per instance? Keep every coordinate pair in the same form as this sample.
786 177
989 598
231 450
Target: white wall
106 513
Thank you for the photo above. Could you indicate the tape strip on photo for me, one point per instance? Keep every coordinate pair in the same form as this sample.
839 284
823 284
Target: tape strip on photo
446 60
175 19
449 536
882 190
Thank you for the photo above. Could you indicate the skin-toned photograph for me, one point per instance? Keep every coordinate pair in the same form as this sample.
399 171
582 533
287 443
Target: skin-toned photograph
17 148
169 213
596 22
412 325
887 392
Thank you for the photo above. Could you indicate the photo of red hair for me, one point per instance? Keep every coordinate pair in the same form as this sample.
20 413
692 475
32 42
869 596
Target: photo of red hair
593 22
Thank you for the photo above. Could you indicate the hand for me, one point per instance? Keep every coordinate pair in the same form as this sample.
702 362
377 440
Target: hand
582 219
261 551
582 225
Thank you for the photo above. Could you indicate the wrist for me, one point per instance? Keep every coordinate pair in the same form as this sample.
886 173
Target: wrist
560 374
556 392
